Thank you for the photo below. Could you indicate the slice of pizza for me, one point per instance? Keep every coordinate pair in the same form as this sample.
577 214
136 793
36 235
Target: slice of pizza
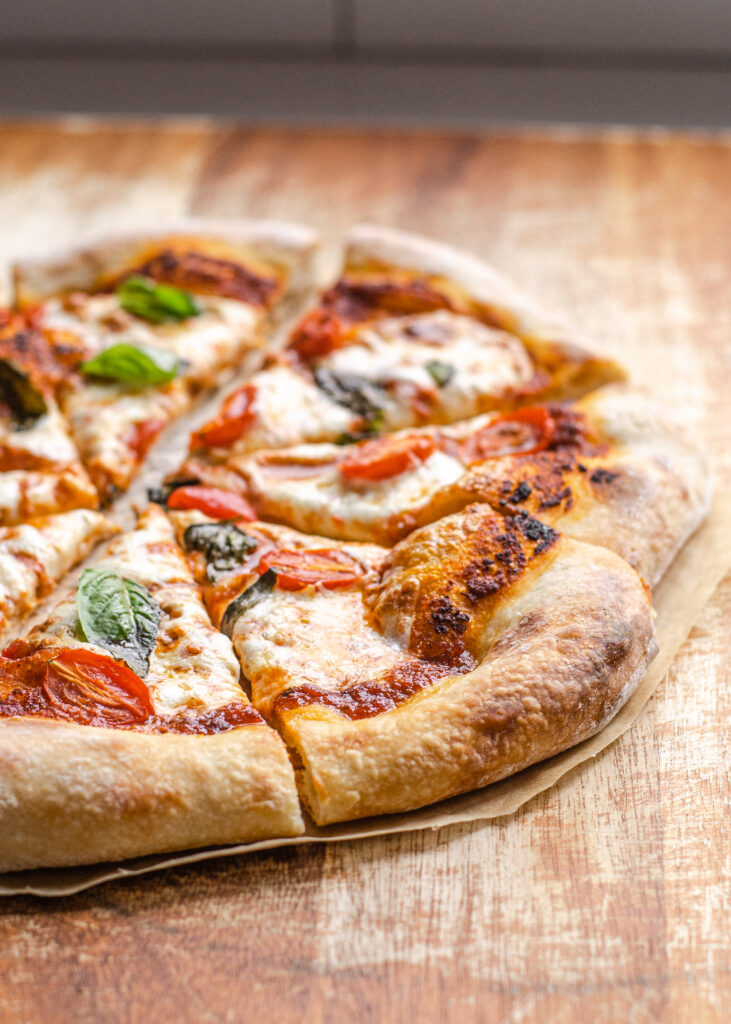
154 319
613 468
40 470
475 647
35 556
414 332
123 728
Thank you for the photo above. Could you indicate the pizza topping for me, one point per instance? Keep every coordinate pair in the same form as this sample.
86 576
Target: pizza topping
236 416
224 545
441 373
140 436
92 689
137 365
386 457
160 495
212 501
328 567
362 396
157 303
258 590
118 614
207 722
210 275
517 433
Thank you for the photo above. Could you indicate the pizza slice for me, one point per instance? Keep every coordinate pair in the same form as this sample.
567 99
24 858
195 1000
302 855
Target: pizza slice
123 728
475 647
613 468
40 470
154 319
35 556
414 332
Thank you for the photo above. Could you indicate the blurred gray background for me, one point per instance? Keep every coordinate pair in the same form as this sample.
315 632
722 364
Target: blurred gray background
469 62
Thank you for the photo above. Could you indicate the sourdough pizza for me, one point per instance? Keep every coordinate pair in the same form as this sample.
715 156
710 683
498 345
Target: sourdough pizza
409 556
476 646
123 728
413 333
612 468
154 319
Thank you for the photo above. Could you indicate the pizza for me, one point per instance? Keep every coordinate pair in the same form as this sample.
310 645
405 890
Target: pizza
123 727
40 469
154 319
413 332
35 556
612 468
410 555
476 646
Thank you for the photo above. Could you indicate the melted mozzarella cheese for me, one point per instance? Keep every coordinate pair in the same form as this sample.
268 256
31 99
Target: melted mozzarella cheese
325 502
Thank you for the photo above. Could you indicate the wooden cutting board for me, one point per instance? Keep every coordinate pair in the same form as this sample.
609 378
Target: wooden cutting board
606 898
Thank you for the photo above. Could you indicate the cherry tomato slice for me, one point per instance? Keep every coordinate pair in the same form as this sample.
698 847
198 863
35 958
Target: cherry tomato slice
92 689
386 457
141 436
516 433
236 416
213 502
318 333
299 569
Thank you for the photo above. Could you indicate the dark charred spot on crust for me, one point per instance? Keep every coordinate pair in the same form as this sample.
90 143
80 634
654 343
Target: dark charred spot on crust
540 534
554 499
603 476
521 493
198 272
447 618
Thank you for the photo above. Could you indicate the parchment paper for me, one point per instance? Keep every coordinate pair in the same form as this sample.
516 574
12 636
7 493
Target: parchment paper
678 601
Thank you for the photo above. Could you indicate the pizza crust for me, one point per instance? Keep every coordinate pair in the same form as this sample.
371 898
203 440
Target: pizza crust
573 645
290 249
73 794
550 339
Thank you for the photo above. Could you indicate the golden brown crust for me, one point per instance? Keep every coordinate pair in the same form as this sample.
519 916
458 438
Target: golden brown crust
556 347
73 794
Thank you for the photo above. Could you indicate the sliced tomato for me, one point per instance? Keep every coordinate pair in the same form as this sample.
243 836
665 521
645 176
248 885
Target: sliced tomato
385 457
93 689
141 435
317 334
516 433
213 502
236 416
296 570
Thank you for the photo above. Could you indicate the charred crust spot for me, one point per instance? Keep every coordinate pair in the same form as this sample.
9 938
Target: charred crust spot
521 493
603 476
447 618
552 500
581 467
540 534
210 275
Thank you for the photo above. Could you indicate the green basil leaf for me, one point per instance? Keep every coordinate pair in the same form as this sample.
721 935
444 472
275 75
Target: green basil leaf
224 544
440 372
356 393
140 365
251 596
19 393
157 303
120 615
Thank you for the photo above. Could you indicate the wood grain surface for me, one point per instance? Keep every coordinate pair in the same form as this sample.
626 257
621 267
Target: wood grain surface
605 899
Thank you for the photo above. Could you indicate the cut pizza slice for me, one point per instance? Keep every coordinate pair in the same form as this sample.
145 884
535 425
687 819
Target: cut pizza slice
414 332
123 728
40 469
613 468
477 646
155 318
35 556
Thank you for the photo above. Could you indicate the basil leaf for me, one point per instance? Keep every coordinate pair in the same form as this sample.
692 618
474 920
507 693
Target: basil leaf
140 365
160 495
19 393
356 393
224 545
157 303
251 596
440 372
120 615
